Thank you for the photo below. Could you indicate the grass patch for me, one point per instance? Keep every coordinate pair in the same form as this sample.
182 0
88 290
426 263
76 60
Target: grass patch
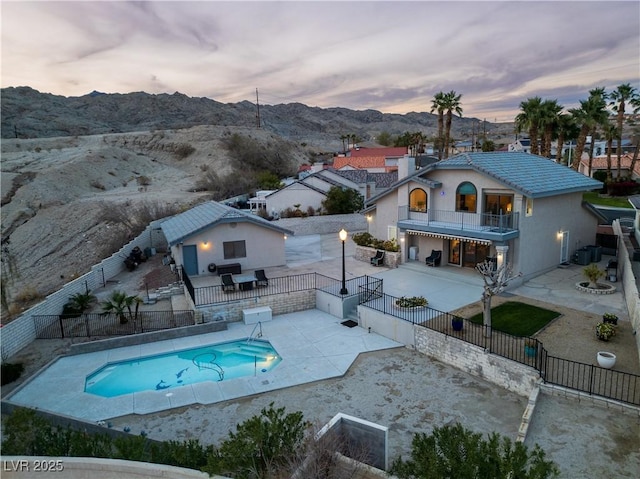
614 201
518 319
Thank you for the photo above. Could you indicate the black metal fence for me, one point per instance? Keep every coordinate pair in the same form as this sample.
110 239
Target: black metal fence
607 383
98 324
208 295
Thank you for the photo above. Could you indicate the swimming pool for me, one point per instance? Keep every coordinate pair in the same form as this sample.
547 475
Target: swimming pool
216 362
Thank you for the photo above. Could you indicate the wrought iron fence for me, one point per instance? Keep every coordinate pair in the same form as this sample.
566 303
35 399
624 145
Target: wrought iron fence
98 324
607 383
208 295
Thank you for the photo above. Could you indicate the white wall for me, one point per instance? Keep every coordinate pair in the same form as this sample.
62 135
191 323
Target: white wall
294 194
264 247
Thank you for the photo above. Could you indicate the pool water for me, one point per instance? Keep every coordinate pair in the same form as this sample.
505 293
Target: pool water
217 362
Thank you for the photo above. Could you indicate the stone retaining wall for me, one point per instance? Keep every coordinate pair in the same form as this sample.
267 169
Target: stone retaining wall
391 259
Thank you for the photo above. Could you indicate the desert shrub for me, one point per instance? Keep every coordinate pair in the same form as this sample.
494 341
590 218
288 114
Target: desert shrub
311 211
227 186
143 180
38 149
183 150
136 217
249 154
11 372
204 167
98 185
28 294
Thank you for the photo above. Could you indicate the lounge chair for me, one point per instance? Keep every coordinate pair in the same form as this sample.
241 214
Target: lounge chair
378 259
227 282
434 258
261 278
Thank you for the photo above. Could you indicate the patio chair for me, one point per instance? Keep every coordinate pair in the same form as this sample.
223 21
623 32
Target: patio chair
227 282
434 258
261 278
378 259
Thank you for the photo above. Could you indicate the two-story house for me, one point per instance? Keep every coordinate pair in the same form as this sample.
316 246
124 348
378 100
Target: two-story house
508 206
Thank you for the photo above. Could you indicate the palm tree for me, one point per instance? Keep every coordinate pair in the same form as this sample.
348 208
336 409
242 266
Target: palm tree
343 137
437 105
529 120
549 117
450 103
620 97
119 303
610 133
566 129
592 112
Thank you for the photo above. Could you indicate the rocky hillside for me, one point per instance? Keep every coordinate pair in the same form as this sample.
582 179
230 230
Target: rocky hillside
27 113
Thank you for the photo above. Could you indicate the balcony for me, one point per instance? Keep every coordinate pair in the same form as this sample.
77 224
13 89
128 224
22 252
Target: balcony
487 227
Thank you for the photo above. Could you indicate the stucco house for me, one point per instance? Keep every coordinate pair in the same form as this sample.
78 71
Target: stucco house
215 234
507 206
312 190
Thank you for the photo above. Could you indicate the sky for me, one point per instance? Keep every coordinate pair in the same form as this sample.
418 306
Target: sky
390 56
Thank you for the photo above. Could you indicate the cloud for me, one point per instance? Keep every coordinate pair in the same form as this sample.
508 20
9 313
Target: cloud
389 56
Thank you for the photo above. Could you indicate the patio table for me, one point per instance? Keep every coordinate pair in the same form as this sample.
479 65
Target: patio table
245 281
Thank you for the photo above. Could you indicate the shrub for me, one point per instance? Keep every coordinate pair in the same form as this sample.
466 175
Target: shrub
11 372
143 180
183 150
98 185
362 239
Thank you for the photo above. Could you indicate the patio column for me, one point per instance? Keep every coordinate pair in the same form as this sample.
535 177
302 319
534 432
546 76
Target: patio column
501 255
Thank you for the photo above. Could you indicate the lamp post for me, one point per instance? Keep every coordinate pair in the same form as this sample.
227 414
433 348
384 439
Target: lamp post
343 238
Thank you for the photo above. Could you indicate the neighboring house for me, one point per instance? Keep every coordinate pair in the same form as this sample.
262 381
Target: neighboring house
385 152
520 145
213 234
599 163
374 160
515 207
312 190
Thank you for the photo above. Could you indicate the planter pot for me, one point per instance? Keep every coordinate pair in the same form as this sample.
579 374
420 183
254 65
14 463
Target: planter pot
530 351
457 324
606 360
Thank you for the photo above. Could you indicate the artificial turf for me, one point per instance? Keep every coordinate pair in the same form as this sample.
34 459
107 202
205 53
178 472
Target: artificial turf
518 319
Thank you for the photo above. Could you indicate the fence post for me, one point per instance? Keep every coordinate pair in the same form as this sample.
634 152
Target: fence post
86 324
61 326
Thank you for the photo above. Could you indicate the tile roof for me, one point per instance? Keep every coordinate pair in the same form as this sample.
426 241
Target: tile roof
384 152
359 162
534 176
206 215
600 163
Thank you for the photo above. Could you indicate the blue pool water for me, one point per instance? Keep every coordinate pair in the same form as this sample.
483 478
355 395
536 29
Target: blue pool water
163 372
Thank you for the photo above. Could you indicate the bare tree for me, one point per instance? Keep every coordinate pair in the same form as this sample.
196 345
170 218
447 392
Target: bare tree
495 282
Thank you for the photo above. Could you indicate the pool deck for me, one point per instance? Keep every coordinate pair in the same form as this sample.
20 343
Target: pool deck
313 346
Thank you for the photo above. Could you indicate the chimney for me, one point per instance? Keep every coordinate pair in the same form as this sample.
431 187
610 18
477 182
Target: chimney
406 166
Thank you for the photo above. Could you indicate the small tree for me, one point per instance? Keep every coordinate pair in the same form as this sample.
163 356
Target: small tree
453 451
593 274
119 303
495 281
342 201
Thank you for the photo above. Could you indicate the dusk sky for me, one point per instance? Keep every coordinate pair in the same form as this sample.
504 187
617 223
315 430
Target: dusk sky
387 56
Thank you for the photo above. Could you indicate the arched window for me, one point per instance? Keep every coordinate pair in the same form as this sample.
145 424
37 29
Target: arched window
418 200
466 197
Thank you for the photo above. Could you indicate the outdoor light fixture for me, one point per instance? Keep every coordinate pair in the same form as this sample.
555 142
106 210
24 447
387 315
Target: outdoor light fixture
343 238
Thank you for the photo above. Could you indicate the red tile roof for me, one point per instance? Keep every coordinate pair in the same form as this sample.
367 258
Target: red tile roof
384 152
362 162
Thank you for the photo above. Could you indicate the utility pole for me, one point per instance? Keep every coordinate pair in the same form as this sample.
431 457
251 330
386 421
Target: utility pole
257 110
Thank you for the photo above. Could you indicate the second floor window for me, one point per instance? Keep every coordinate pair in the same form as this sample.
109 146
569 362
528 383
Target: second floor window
418 200
466 197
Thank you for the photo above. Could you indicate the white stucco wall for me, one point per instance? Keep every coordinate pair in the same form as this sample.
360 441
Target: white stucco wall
294 194
264 247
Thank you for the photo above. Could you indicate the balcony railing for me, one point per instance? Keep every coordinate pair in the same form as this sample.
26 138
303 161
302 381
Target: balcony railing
461 220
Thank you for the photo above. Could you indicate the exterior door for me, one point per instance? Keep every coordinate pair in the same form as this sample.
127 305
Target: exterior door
190 259
564 248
